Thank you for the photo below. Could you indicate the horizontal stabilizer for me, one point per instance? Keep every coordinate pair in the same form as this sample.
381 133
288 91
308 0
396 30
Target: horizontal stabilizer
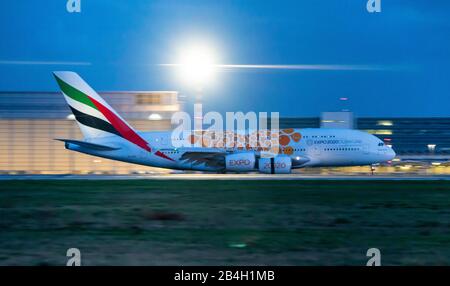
89 145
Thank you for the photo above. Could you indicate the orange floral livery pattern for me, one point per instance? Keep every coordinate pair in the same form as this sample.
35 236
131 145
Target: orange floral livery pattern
262 140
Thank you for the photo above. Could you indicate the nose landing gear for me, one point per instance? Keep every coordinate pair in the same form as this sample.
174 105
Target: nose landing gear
372 169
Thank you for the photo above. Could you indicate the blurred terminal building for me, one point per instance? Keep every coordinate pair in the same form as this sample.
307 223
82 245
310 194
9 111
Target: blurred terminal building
29 121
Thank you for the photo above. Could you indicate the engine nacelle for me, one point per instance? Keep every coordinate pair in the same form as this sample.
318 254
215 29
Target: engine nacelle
276 165
240 162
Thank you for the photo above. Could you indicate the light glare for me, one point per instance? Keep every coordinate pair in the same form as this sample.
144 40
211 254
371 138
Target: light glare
197 65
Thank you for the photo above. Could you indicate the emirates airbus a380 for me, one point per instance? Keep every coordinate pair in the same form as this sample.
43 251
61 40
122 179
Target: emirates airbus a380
107 135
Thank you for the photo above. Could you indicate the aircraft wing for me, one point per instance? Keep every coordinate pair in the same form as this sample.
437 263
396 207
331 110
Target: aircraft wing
89 145
209 158
214 158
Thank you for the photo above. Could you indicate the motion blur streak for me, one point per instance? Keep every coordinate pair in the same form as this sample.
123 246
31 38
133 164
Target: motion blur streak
49 63
297 67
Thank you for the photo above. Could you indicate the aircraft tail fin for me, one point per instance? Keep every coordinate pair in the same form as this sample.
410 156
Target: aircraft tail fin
94 115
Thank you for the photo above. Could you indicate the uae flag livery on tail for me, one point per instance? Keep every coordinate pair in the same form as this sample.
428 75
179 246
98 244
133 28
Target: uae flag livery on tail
94 116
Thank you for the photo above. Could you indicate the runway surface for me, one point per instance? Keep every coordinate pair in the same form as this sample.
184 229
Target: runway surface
227 177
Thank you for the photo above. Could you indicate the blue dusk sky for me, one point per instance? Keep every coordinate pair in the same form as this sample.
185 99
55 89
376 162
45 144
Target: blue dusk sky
119 45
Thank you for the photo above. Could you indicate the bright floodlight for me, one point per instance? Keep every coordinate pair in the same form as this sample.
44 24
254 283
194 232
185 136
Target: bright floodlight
197 65
154 116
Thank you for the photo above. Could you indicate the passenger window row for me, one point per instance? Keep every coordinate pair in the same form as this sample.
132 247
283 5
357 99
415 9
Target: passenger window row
341 149
321 136
171 152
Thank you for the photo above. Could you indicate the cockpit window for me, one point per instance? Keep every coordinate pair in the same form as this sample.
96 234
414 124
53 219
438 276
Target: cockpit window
381 144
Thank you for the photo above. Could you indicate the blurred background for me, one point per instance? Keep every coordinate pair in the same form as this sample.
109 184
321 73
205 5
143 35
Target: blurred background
323 64
30 121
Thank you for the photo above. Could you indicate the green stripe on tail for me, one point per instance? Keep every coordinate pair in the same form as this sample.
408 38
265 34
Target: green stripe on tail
74 93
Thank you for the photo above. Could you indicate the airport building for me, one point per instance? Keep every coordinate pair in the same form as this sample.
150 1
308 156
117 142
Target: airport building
338 120
30 121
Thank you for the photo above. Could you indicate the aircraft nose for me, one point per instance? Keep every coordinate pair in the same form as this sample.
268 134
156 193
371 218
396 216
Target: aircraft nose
390 154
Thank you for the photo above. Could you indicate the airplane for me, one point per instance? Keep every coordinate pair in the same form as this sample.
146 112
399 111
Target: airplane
108 135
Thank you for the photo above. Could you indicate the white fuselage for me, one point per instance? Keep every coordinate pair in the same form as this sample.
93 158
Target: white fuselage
317 148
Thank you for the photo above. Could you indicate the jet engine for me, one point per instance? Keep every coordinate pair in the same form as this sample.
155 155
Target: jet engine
275 165
240 162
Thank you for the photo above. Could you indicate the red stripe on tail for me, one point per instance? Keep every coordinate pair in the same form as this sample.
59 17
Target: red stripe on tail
121 126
